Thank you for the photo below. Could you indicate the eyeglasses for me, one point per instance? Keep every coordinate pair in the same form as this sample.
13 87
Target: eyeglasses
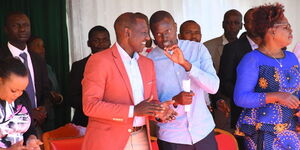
285 26
167 32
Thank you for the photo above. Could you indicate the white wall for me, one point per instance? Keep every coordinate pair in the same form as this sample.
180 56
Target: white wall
84 14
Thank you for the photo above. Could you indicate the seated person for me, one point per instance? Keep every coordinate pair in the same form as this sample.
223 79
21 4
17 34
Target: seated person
14 114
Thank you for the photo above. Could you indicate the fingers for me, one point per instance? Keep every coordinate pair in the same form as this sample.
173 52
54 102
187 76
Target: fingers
146 108
293 102
171 48
167 103
168 54
150 98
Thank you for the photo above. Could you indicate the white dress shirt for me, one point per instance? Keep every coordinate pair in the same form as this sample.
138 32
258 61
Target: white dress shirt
252 43
136 82
16 53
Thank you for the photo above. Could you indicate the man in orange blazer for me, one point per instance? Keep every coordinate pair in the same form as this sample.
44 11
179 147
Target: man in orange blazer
119 91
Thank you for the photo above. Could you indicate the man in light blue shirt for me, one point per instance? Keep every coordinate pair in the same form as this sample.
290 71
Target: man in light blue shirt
175 62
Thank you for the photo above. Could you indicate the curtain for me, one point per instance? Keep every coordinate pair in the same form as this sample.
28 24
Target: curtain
84 14
48 21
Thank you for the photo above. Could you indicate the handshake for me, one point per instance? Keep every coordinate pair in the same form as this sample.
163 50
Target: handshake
161 111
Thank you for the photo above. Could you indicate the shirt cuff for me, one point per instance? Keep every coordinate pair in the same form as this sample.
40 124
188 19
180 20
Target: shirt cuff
131 111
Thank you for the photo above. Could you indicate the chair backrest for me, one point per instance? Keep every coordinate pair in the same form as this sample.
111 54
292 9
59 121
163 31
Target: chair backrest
69 133
225 140
66 144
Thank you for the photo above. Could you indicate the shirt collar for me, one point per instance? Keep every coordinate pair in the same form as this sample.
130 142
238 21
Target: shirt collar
225 41
15 51
124 55
252 43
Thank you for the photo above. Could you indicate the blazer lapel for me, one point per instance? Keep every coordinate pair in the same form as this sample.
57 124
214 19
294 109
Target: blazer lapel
246 44
144 73
119 63
220 46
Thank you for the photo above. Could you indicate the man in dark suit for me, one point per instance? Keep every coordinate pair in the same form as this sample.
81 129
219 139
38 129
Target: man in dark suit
232 54
98 40
18 30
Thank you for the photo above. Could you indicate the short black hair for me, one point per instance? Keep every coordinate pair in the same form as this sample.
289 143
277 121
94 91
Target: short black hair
127 20
32 38
99 29
183 24
159 16
12 14
232 12
11 65
141 15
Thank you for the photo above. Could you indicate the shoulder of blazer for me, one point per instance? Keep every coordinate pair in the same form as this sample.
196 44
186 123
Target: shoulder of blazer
238 46
5 52
81 62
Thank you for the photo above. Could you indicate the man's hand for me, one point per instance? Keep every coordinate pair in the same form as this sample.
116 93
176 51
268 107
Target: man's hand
169 114
57 98
183 98
148 108
39 114
223 107
177 57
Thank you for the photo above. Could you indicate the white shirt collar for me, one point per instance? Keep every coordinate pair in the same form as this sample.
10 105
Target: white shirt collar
252 43
225 41
15 51
124 55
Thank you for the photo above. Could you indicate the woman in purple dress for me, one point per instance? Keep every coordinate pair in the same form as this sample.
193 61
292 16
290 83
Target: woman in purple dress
267 86
14 115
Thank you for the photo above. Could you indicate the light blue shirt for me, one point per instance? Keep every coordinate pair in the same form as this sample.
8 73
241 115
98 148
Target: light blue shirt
189 127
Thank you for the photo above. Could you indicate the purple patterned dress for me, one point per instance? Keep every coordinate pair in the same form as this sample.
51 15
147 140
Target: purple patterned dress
14 122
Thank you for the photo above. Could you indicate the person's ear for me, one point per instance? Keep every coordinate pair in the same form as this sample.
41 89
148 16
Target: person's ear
223 25
175 26
241 26
127 32
88 43
179 36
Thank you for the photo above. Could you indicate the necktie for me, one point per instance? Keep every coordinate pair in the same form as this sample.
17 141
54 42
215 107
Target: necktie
29 88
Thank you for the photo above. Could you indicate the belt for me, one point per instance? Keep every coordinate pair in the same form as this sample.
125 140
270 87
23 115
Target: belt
135 129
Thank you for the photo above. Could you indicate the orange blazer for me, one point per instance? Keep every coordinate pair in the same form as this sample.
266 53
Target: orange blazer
107 95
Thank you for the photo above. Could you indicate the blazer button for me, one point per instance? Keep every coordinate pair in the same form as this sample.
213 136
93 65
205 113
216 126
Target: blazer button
129 130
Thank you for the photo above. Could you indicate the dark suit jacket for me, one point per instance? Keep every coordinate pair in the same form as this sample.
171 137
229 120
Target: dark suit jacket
42 84
232 54
75 100
41 81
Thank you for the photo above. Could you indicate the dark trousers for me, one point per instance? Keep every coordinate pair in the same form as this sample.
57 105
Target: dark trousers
208 143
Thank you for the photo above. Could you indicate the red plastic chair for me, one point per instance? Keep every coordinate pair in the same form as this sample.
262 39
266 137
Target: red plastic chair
225 140
154 143
68 137
66 144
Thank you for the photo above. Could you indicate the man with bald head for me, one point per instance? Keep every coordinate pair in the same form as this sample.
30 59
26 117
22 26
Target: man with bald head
180 64
232 24
119 91
190 30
